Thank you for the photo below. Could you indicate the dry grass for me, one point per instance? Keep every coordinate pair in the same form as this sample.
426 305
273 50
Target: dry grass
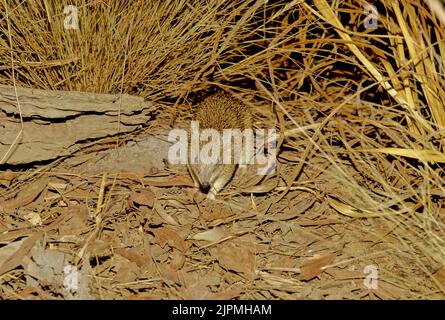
374 162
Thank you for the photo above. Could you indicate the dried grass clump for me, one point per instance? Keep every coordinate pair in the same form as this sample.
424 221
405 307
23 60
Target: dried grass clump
154 48
376 96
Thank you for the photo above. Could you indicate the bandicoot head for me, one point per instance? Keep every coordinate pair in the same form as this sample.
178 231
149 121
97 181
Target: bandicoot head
218 111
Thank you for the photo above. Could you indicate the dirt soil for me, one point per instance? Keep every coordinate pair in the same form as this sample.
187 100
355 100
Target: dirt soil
116 221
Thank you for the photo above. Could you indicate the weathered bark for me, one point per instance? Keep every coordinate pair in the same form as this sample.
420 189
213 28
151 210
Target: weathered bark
55 121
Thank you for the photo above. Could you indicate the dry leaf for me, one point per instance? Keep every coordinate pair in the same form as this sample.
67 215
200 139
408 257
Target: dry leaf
132 255
33 218
212 235
196 286
165 235
126 272
170 273
26 195
390 291
164 215
296 211
99 248
238 257
145 198
9 250
264 187
16 259
57 186
440 275
177 259
312 268
227 295
180 181
6 177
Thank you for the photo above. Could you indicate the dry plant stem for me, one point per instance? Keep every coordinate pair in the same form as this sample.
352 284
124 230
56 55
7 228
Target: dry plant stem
438 8
122 85
328 14
19 135
293 270
223 240
98 220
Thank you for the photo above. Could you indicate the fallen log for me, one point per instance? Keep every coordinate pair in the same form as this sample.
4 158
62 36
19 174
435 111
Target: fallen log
54 122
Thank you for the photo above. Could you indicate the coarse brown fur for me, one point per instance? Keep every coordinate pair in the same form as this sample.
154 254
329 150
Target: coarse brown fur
223 111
